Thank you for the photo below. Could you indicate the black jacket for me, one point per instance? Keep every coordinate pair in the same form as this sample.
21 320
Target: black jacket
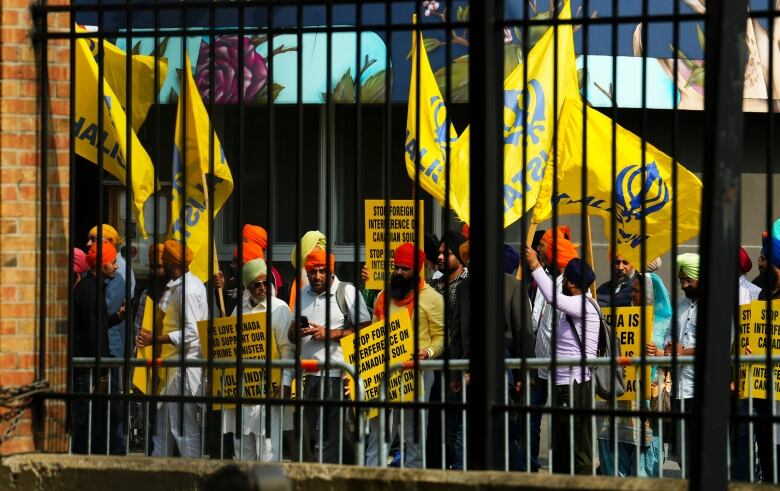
518 328
622 298
91 338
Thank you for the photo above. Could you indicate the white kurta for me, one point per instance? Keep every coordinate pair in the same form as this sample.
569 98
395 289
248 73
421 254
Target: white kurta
253 421
187 293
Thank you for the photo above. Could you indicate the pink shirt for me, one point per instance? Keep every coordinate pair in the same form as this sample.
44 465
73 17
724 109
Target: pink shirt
565 344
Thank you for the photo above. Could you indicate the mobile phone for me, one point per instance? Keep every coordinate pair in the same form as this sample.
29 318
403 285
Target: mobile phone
304 321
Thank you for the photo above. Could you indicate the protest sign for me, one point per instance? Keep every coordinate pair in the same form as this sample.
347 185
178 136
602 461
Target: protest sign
759 332
402 225
142 375
628 325
224 337
370 357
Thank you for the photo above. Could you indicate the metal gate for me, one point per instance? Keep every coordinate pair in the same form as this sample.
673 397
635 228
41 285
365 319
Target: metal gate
318 129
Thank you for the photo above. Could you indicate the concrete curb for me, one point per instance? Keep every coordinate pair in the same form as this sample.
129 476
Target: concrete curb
53 472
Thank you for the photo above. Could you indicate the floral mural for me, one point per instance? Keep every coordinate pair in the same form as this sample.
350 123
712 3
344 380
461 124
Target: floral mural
382 65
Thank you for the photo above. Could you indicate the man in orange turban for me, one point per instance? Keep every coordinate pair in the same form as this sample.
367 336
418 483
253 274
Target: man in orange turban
107 258
91 340
186 305
255 234
329 306
408 261
566 250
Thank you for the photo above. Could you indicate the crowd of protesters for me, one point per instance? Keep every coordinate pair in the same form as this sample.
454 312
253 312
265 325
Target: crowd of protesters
555 315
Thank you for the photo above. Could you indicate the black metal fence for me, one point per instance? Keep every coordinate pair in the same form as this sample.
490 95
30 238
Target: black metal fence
318 130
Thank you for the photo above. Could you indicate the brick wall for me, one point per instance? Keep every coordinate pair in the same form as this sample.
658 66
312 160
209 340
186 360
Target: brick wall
21 172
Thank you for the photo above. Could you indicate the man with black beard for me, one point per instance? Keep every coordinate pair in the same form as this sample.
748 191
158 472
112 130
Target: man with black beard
453 272
428 306
685 344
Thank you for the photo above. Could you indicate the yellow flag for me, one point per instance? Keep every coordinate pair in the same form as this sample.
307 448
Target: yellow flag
191 149
142 83
430 143
530 108
111 139
632 185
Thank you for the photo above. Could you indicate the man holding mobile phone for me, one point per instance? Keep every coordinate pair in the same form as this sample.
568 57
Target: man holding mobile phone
324 321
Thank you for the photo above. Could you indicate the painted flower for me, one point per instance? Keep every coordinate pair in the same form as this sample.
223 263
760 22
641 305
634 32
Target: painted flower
430 7
226 70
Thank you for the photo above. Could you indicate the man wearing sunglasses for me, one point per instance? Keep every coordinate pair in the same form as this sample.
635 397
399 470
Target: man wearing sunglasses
253 431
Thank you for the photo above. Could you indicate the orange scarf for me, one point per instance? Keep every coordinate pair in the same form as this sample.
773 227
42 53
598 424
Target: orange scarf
408 300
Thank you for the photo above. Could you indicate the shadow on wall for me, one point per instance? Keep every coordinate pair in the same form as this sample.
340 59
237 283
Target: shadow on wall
232 478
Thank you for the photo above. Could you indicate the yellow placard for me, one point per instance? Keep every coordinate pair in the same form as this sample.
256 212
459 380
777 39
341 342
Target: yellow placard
759 328
628 330
141 374
402 227
370 356
224 336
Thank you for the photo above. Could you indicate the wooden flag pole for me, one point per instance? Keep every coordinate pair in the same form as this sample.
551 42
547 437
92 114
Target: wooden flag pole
220 295
529 239
589 252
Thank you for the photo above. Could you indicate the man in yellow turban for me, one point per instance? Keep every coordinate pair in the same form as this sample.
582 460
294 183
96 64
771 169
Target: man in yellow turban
311 240
115 299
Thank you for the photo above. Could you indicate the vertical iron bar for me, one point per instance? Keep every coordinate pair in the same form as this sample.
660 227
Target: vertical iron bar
770 127
359 436
720 216
487 232
126 379
39 413
239 237
71 222
210 290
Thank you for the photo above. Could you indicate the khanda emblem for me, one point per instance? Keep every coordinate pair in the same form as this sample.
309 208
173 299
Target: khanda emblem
630 194
440 123
517 106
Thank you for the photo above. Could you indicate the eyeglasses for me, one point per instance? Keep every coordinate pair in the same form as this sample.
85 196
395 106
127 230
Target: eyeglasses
685 281
257 284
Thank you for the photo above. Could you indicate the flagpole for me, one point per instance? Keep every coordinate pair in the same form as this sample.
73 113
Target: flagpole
529 240
589 251
220 296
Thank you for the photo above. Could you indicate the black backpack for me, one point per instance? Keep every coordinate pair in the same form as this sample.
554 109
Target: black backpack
603 375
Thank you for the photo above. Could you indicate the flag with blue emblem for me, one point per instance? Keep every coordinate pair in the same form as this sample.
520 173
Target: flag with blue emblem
643 190
192 153
427 132
141 81
531 103
111 137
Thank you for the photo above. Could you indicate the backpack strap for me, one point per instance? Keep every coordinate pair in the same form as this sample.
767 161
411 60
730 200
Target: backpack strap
341 300
574 331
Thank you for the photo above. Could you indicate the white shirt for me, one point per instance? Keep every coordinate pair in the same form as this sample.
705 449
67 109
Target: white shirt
187 339
281 318
313 306
747 291
687 310
542 316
